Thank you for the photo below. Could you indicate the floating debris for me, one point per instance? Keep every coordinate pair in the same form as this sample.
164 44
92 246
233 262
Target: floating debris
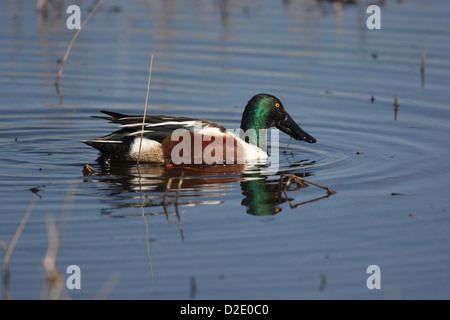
36 190
87 170
301 183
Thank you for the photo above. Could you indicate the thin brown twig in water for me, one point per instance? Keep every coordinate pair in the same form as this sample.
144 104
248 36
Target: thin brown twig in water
169 183
53 278
422 63
176 206
108 286
297 178
303 203
318 185
180 182
41 5
11 246
145 222
422 68
145 109
396 107
146 227
146 241
284 151
303 183
69 47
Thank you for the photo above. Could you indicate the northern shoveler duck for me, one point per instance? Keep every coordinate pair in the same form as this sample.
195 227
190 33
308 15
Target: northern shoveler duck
181 140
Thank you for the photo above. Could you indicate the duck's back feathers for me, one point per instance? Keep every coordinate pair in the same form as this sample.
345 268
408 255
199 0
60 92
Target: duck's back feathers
156 121
120 144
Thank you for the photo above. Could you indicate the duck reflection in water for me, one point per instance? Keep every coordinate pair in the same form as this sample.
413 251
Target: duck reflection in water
165 189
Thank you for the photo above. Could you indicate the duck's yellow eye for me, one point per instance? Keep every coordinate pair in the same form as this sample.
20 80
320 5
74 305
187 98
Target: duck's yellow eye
277 105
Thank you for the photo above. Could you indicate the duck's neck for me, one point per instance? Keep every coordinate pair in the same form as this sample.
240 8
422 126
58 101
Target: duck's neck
253 128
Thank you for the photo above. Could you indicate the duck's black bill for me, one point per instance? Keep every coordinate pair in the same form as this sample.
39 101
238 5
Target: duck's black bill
290 127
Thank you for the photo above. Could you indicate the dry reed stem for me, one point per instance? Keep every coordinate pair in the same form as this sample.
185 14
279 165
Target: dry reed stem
165 197
12 245
54 280
284 151
422 62
107 287
422 68
396 105
176 206
169 183
180 182
69 47
41 5
145 109
147 244
146 231
146 227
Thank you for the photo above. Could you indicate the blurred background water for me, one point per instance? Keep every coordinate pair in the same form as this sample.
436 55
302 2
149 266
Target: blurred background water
224 233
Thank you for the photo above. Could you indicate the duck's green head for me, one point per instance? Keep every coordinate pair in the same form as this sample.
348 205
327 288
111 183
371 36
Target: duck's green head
264 111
